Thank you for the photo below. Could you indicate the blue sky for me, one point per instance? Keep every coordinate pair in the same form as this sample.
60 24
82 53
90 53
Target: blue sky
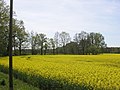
72 16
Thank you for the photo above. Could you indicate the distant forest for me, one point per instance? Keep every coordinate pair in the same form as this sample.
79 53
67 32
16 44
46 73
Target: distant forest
24 42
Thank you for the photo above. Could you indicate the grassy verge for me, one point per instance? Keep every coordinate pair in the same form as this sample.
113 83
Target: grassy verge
18 85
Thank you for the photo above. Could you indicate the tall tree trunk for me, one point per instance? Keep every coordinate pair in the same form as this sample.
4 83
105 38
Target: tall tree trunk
42 49
64 50
14 47
32 51
20 48
56 50
53 51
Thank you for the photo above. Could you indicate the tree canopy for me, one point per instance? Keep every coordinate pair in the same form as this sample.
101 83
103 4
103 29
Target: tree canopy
38 43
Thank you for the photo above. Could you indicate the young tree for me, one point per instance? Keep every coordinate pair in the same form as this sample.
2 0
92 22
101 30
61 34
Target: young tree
52 43
57 41
81 40
46 45
22 35
41 41
33 42
64 39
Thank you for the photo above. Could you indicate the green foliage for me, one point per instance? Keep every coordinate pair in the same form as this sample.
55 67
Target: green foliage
18 85
93 49
2 82
4 21
19 33
89 42
68 72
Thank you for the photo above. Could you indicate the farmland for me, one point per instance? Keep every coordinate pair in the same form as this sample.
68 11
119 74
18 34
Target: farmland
67 72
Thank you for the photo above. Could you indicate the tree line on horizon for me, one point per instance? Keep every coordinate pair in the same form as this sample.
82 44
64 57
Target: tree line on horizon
83 43
38 43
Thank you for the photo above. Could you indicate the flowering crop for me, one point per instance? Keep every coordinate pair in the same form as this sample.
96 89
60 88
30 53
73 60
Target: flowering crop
68 72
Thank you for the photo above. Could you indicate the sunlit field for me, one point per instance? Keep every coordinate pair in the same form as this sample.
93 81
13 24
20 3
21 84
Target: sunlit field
67 72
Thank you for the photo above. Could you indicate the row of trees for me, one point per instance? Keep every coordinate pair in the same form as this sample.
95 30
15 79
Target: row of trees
112 50
37 43
83 43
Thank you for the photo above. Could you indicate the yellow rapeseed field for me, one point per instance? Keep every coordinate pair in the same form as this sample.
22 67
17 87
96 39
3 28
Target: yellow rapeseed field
67 72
